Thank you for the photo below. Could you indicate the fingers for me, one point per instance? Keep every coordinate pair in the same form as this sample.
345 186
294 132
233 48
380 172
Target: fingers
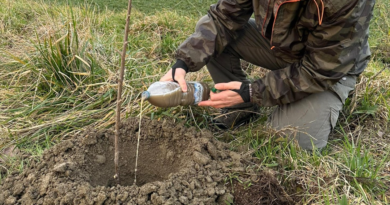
223 99
219 104
180 78
228 86
183 84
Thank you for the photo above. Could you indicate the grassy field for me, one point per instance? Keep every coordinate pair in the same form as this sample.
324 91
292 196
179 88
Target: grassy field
59 63
185 8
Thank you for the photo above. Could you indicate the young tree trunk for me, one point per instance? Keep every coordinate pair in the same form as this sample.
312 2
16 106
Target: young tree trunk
119 94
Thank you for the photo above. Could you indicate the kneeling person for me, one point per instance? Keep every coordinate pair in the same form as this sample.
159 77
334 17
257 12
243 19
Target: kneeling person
314 50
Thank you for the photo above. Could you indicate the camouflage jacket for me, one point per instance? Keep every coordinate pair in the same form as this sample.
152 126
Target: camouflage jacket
323 40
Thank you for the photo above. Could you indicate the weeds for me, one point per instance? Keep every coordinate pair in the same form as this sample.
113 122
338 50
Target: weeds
66 65
351 173
380 32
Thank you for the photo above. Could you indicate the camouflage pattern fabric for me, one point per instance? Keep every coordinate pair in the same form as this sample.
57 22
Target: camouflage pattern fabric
323 40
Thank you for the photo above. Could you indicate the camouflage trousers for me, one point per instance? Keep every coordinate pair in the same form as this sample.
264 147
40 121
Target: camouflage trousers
308 121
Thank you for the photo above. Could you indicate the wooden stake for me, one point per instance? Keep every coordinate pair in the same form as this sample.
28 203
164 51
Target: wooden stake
119 97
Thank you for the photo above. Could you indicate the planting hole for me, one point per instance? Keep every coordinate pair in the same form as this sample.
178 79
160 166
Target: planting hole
157 159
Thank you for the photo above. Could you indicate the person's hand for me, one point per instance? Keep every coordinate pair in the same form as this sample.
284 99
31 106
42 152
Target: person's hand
180 74
226 97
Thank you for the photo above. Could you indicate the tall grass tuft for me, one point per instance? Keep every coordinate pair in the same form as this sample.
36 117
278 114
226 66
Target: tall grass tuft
67 60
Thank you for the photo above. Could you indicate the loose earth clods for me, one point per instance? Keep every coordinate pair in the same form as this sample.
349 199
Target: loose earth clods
176 165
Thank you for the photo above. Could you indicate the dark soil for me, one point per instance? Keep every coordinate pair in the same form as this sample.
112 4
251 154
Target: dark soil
176 165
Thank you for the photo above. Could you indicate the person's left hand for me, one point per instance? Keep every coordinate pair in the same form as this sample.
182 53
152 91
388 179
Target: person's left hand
226 97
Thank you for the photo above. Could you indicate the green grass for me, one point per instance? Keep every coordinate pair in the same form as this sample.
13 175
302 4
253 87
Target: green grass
185 7
59 64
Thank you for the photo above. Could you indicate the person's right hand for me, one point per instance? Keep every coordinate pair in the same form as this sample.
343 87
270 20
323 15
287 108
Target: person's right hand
180 74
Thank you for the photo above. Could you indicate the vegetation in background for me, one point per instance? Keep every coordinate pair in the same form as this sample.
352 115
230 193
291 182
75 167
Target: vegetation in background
59 64
184 8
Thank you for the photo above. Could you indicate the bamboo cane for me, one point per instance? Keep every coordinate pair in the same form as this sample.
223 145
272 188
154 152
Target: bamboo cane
119 98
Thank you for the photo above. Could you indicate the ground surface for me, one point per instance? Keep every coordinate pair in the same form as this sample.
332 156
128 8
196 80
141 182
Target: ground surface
38 111
176 166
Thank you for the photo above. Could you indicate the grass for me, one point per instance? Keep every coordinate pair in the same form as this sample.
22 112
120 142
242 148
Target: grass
185 8
59 64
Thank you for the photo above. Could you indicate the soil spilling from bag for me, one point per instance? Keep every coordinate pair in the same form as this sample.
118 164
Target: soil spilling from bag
176 165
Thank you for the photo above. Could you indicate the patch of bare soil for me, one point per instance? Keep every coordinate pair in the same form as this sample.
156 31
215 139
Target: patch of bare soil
176 165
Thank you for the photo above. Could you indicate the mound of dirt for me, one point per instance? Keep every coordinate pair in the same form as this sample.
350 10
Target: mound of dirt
176 165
